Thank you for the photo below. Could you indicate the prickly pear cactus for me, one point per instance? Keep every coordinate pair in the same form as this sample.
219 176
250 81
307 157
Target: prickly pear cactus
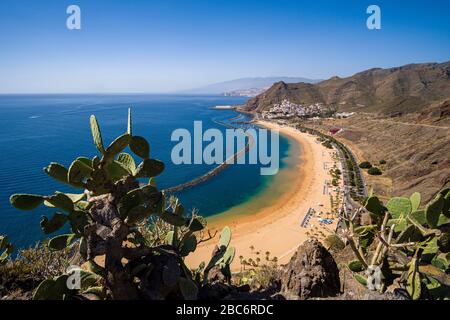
412 244
5 249
104 218
222 256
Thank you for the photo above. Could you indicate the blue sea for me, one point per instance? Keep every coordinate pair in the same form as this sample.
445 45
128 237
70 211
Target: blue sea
38 129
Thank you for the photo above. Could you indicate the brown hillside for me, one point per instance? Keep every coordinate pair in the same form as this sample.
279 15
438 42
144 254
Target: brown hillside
416 148
402 89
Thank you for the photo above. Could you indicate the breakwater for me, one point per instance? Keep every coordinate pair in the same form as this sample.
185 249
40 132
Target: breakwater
215 171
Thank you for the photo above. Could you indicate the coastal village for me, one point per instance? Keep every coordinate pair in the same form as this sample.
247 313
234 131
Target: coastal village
287 109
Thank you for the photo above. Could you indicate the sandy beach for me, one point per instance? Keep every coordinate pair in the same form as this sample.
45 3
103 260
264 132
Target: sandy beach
276 228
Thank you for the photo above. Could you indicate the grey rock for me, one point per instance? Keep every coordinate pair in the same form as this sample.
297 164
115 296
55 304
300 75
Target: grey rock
311 273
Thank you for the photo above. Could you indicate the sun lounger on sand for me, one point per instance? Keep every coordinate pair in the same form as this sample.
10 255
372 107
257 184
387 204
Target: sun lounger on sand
307 217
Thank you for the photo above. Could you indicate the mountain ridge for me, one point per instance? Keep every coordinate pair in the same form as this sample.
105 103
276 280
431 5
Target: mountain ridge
407 88
246 83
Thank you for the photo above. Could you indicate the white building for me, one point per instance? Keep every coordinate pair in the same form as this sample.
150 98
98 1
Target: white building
287 109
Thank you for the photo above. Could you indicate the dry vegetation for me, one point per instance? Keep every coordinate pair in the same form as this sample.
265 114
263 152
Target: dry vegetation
416 153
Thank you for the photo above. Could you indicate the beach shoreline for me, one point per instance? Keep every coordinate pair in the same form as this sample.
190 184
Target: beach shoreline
276 228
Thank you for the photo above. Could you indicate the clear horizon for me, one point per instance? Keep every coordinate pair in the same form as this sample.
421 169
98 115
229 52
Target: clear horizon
170 46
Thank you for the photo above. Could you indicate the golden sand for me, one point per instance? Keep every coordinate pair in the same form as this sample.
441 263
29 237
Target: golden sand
276 228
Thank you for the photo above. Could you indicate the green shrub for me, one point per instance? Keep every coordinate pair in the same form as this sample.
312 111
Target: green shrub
258 270
262 277
31 266
351 175
365 165
327 144
349 164
382 161
334 242
6 249
374 171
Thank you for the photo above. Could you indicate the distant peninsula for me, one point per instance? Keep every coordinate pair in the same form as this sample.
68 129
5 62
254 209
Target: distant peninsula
246 87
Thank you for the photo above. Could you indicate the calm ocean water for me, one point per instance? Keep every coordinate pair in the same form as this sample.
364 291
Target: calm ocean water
38 129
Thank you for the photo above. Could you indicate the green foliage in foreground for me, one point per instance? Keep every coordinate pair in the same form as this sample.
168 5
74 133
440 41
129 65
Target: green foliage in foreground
6 249
30 267
410 244
106 218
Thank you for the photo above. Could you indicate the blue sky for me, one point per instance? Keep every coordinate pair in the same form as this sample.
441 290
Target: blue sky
168 45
